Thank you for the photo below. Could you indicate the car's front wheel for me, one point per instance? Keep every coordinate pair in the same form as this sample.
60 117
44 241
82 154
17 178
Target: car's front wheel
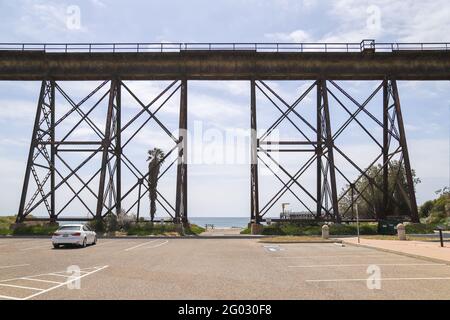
56 246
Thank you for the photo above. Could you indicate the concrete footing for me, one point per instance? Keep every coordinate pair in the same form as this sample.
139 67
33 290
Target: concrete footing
256 228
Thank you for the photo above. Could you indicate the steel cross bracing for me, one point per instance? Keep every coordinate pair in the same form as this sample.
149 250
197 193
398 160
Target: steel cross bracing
46 162
105 185
329 204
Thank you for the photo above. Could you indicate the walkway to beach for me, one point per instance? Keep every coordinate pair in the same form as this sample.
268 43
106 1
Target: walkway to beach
220 232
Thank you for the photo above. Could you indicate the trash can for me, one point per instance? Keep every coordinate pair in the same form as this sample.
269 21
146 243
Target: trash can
388 227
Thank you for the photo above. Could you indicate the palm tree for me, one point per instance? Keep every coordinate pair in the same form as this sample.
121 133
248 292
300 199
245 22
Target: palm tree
156 159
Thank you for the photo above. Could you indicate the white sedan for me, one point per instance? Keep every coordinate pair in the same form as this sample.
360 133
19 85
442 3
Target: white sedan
74 234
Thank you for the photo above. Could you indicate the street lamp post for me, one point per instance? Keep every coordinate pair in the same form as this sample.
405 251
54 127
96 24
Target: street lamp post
357 223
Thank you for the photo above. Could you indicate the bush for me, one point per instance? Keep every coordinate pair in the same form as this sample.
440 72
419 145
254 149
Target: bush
148 228
426 208
97 225
436 217
418 228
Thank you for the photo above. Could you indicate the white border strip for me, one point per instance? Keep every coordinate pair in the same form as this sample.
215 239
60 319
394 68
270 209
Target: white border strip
15 266
368 264
381 279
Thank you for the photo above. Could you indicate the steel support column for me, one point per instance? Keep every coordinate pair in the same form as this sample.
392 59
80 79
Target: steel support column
386 122
404 146
52 153
33 144
329 144
319 150
43 135
106 145
181 193
118 149
254 192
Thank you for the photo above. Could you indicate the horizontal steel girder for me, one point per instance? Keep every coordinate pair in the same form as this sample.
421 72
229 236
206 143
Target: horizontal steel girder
221 65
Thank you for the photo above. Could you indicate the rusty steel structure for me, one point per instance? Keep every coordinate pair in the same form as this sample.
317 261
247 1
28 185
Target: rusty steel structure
322 64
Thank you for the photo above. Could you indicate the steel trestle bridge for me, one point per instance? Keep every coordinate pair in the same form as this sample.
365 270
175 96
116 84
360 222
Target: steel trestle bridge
115 63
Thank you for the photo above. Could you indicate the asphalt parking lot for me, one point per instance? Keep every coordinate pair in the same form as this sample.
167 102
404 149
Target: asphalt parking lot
213 269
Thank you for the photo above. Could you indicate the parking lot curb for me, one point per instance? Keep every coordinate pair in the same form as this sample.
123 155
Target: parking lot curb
148 237
409 255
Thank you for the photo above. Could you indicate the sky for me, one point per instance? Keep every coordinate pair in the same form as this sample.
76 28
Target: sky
219 111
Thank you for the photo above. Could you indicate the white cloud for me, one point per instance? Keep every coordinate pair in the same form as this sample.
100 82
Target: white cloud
294 36
17 110
400 21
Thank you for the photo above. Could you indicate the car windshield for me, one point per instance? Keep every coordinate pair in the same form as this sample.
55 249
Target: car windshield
69 228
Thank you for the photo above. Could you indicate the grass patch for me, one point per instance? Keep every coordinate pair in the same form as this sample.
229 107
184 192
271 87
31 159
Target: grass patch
292 229
151 229
26 229
5 222
34 230
167 229
408 238
194 229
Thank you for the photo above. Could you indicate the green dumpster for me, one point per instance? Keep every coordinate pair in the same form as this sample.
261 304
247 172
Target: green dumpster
388 227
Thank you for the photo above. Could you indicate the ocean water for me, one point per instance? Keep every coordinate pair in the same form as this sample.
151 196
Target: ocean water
220 222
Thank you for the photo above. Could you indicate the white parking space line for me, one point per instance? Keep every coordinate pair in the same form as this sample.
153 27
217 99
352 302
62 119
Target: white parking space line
381 279
158 245
103 243
9 298
71 279
14 266
65 283
140 245
59 275
20 287
37 247
369 264
40 280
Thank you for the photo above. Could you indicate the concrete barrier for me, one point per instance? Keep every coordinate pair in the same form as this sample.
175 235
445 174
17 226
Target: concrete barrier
401 232
325 232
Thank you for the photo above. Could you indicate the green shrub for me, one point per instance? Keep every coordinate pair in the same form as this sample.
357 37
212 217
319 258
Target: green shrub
97 225
436 217
246 231
426 208
148 228
418 228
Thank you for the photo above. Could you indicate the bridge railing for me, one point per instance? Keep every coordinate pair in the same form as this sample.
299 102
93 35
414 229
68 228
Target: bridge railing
256 47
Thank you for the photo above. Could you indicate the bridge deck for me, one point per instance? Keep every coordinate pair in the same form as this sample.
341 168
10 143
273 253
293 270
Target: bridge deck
225 65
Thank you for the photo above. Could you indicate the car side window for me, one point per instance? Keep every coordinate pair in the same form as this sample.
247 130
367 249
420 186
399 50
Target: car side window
85 228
